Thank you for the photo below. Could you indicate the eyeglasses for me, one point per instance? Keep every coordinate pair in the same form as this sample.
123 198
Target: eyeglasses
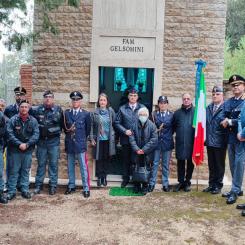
76 99
48 96
217 94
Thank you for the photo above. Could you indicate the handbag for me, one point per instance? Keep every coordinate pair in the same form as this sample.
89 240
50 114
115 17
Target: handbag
140 173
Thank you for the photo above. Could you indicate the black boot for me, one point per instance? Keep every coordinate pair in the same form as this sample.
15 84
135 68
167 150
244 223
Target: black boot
99 182
37 190
104 181
3 199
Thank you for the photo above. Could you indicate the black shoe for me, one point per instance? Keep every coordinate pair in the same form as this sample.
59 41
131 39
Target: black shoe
70 191
216 190
166 188
26 195
208 189
99 182
104 181
37 190
178 187
18 189
243 213
86 194
232 198
151 188
187 188
11 196
144 190
124 183
52 190
227 194
3 199
240 206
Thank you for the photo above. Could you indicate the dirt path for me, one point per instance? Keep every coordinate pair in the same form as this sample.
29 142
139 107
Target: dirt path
158 218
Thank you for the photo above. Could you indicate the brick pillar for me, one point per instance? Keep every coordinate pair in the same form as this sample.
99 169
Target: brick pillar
26 80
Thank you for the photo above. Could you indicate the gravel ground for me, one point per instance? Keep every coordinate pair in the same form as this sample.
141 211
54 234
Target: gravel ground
157 218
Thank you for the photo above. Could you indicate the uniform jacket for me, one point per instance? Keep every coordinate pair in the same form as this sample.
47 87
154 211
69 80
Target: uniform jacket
144 138
216 135
241 122
11 110
22 132
3 125
232 110
165 136
125 119
95 132
76 140
50 124
184 139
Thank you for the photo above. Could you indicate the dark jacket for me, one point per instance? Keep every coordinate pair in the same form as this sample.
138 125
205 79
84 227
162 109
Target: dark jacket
3 125
95 132
20 132
241 122
165 136
216 135
11 110
184 139
232 110
50 124
144 138
77 129
125 119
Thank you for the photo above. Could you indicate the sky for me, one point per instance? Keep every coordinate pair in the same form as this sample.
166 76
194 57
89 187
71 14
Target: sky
17 25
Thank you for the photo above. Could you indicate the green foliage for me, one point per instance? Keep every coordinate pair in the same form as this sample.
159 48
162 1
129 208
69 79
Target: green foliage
235 22
235 60
16 39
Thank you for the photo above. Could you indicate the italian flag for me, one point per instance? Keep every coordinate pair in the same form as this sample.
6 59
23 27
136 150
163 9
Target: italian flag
199 121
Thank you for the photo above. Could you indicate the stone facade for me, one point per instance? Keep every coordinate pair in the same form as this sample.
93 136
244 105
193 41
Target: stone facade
193 29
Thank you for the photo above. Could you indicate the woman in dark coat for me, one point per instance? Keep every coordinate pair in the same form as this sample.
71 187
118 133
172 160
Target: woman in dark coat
102 136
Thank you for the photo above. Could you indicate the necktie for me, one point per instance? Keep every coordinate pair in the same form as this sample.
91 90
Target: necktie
215 109
132 107
75 113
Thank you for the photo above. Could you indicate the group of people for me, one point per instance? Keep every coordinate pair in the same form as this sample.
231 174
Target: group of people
144 139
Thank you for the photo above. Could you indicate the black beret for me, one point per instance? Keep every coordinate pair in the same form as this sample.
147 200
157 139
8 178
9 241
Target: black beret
48 92
217 89
23 101
76 95
236 79
133 91
20 91
162 99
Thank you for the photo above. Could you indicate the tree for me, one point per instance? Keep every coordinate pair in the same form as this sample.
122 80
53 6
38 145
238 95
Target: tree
15 38
235 24
234 61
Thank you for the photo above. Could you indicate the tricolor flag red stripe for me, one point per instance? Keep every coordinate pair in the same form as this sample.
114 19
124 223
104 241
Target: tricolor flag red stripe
200 123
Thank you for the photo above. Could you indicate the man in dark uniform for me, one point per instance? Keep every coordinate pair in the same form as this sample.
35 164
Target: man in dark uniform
3 199
216 142
126 117
77 125
241 138
23 134
10 111
182 124
231 112
50 120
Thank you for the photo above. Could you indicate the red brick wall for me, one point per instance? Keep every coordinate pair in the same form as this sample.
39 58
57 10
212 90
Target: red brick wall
26 80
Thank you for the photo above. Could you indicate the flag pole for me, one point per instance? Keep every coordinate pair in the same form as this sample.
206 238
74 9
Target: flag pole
197 168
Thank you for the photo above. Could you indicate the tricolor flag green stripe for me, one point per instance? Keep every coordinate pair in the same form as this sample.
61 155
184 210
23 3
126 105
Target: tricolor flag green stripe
199 123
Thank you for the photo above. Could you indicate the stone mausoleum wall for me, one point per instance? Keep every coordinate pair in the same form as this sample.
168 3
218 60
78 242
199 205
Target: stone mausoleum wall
193 29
